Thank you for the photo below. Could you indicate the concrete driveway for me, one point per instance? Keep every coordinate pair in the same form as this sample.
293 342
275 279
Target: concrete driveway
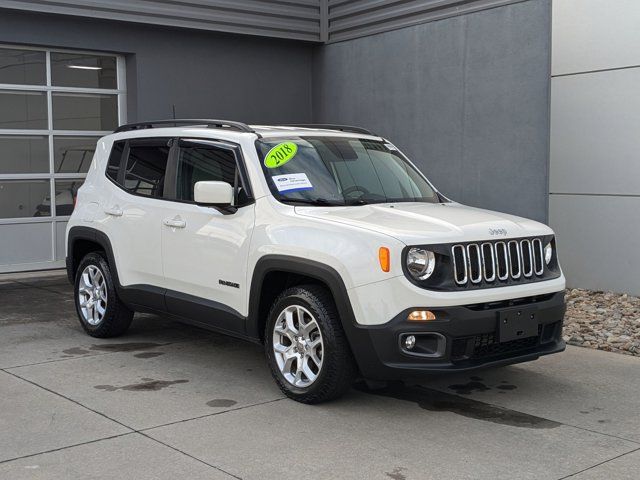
169 401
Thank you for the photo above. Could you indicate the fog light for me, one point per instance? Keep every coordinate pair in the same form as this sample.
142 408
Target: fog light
409 342
421 316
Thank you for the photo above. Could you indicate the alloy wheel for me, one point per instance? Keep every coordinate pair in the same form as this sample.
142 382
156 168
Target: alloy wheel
92 295
298 346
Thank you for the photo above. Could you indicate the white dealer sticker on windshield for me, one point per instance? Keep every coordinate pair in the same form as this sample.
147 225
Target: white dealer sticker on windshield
293 182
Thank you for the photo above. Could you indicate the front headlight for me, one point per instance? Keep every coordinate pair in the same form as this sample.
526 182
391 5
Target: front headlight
548 253
420 263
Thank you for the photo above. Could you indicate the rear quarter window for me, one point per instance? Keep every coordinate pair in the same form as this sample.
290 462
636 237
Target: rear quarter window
115 159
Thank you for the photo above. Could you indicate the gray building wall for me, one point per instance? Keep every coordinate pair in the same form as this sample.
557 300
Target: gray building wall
298 19
465 97
204 74
348 19
312 20
595 139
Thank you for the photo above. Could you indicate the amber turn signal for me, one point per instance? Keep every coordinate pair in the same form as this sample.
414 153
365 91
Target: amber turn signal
421 316
385 259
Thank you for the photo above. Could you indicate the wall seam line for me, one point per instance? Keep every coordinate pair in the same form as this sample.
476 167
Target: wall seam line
602 70
632 195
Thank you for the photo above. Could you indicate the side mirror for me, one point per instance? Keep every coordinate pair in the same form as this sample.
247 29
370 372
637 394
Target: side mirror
219 194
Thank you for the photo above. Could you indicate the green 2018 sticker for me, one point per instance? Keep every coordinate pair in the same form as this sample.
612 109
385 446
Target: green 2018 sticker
280 154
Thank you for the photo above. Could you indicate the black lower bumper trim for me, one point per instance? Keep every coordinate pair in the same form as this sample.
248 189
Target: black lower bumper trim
460 339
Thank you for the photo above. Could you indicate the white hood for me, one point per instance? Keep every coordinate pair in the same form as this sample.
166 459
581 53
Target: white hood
424 223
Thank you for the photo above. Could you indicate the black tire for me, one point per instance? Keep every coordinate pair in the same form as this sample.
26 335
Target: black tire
338 369
117 317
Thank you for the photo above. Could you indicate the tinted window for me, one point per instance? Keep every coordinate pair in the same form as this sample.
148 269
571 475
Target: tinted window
23 67
22 109
146 167
66 193
203 163
84 111
83 70
73 154
24 154
25 198
113 166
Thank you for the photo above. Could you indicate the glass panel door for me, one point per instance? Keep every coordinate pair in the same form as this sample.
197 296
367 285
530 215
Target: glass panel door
54 106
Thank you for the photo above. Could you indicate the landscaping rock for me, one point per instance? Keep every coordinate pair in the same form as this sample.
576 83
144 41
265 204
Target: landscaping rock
603 320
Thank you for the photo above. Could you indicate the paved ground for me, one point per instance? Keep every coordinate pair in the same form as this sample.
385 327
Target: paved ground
169 401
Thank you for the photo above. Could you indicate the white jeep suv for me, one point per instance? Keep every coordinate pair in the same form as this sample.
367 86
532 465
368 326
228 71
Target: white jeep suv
322 242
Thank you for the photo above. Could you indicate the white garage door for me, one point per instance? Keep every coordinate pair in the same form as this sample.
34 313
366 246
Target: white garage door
54 105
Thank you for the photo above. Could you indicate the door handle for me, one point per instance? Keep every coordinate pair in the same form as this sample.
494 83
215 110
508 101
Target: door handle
176 222
114 211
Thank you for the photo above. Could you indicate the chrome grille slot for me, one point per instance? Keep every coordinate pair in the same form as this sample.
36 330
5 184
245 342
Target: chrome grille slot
459 255
527 258
514 259
488 262
502 261
475 265
538 256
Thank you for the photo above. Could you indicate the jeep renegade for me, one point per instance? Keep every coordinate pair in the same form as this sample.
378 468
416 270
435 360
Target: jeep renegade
324 243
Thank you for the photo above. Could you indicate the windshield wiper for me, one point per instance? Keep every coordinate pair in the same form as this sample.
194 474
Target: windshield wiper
358 202
323 202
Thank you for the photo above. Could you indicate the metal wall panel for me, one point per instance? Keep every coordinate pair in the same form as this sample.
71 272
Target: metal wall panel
350 19
293 19
594 171
26 243
598 241
595 140
595 35
466 98
311 20
60 239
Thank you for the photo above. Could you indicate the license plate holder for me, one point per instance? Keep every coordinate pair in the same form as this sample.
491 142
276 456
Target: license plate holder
517 323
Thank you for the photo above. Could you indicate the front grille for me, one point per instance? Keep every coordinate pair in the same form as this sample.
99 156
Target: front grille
497 261
487 345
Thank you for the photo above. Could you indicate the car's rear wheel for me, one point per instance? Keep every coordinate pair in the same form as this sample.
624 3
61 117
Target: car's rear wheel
306 348
100 311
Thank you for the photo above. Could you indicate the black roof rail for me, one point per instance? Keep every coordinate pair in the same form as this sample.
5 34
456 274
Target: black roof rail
328 126
239 126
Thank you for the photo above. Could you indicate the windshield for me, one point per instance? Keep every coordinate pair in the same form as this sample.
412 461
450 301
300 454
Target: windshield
340 171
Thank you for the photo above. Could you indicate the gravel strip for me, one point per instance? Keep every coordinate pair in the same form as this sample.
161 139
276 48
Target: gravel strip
603 320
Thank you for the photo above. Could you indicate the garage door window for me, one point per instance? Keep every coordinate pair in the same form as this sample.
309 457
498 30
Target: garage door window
54 106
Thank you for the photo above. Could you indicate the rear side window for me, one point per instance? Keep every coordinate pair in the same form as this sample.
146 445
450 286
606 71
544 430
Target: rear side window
147 167
113 166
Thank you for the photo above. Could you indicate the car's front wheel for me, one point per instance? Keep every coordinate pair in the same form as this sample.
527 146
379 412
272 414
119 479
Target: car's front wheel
100 311
306 348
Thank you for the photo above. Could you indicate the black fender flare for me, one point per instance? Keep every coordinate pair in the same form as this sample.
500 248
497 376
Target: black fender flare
96 236
137 297
357 336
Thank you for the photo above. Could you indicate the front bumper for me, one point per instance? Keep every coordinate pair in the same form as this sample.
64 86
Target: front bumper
461 338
